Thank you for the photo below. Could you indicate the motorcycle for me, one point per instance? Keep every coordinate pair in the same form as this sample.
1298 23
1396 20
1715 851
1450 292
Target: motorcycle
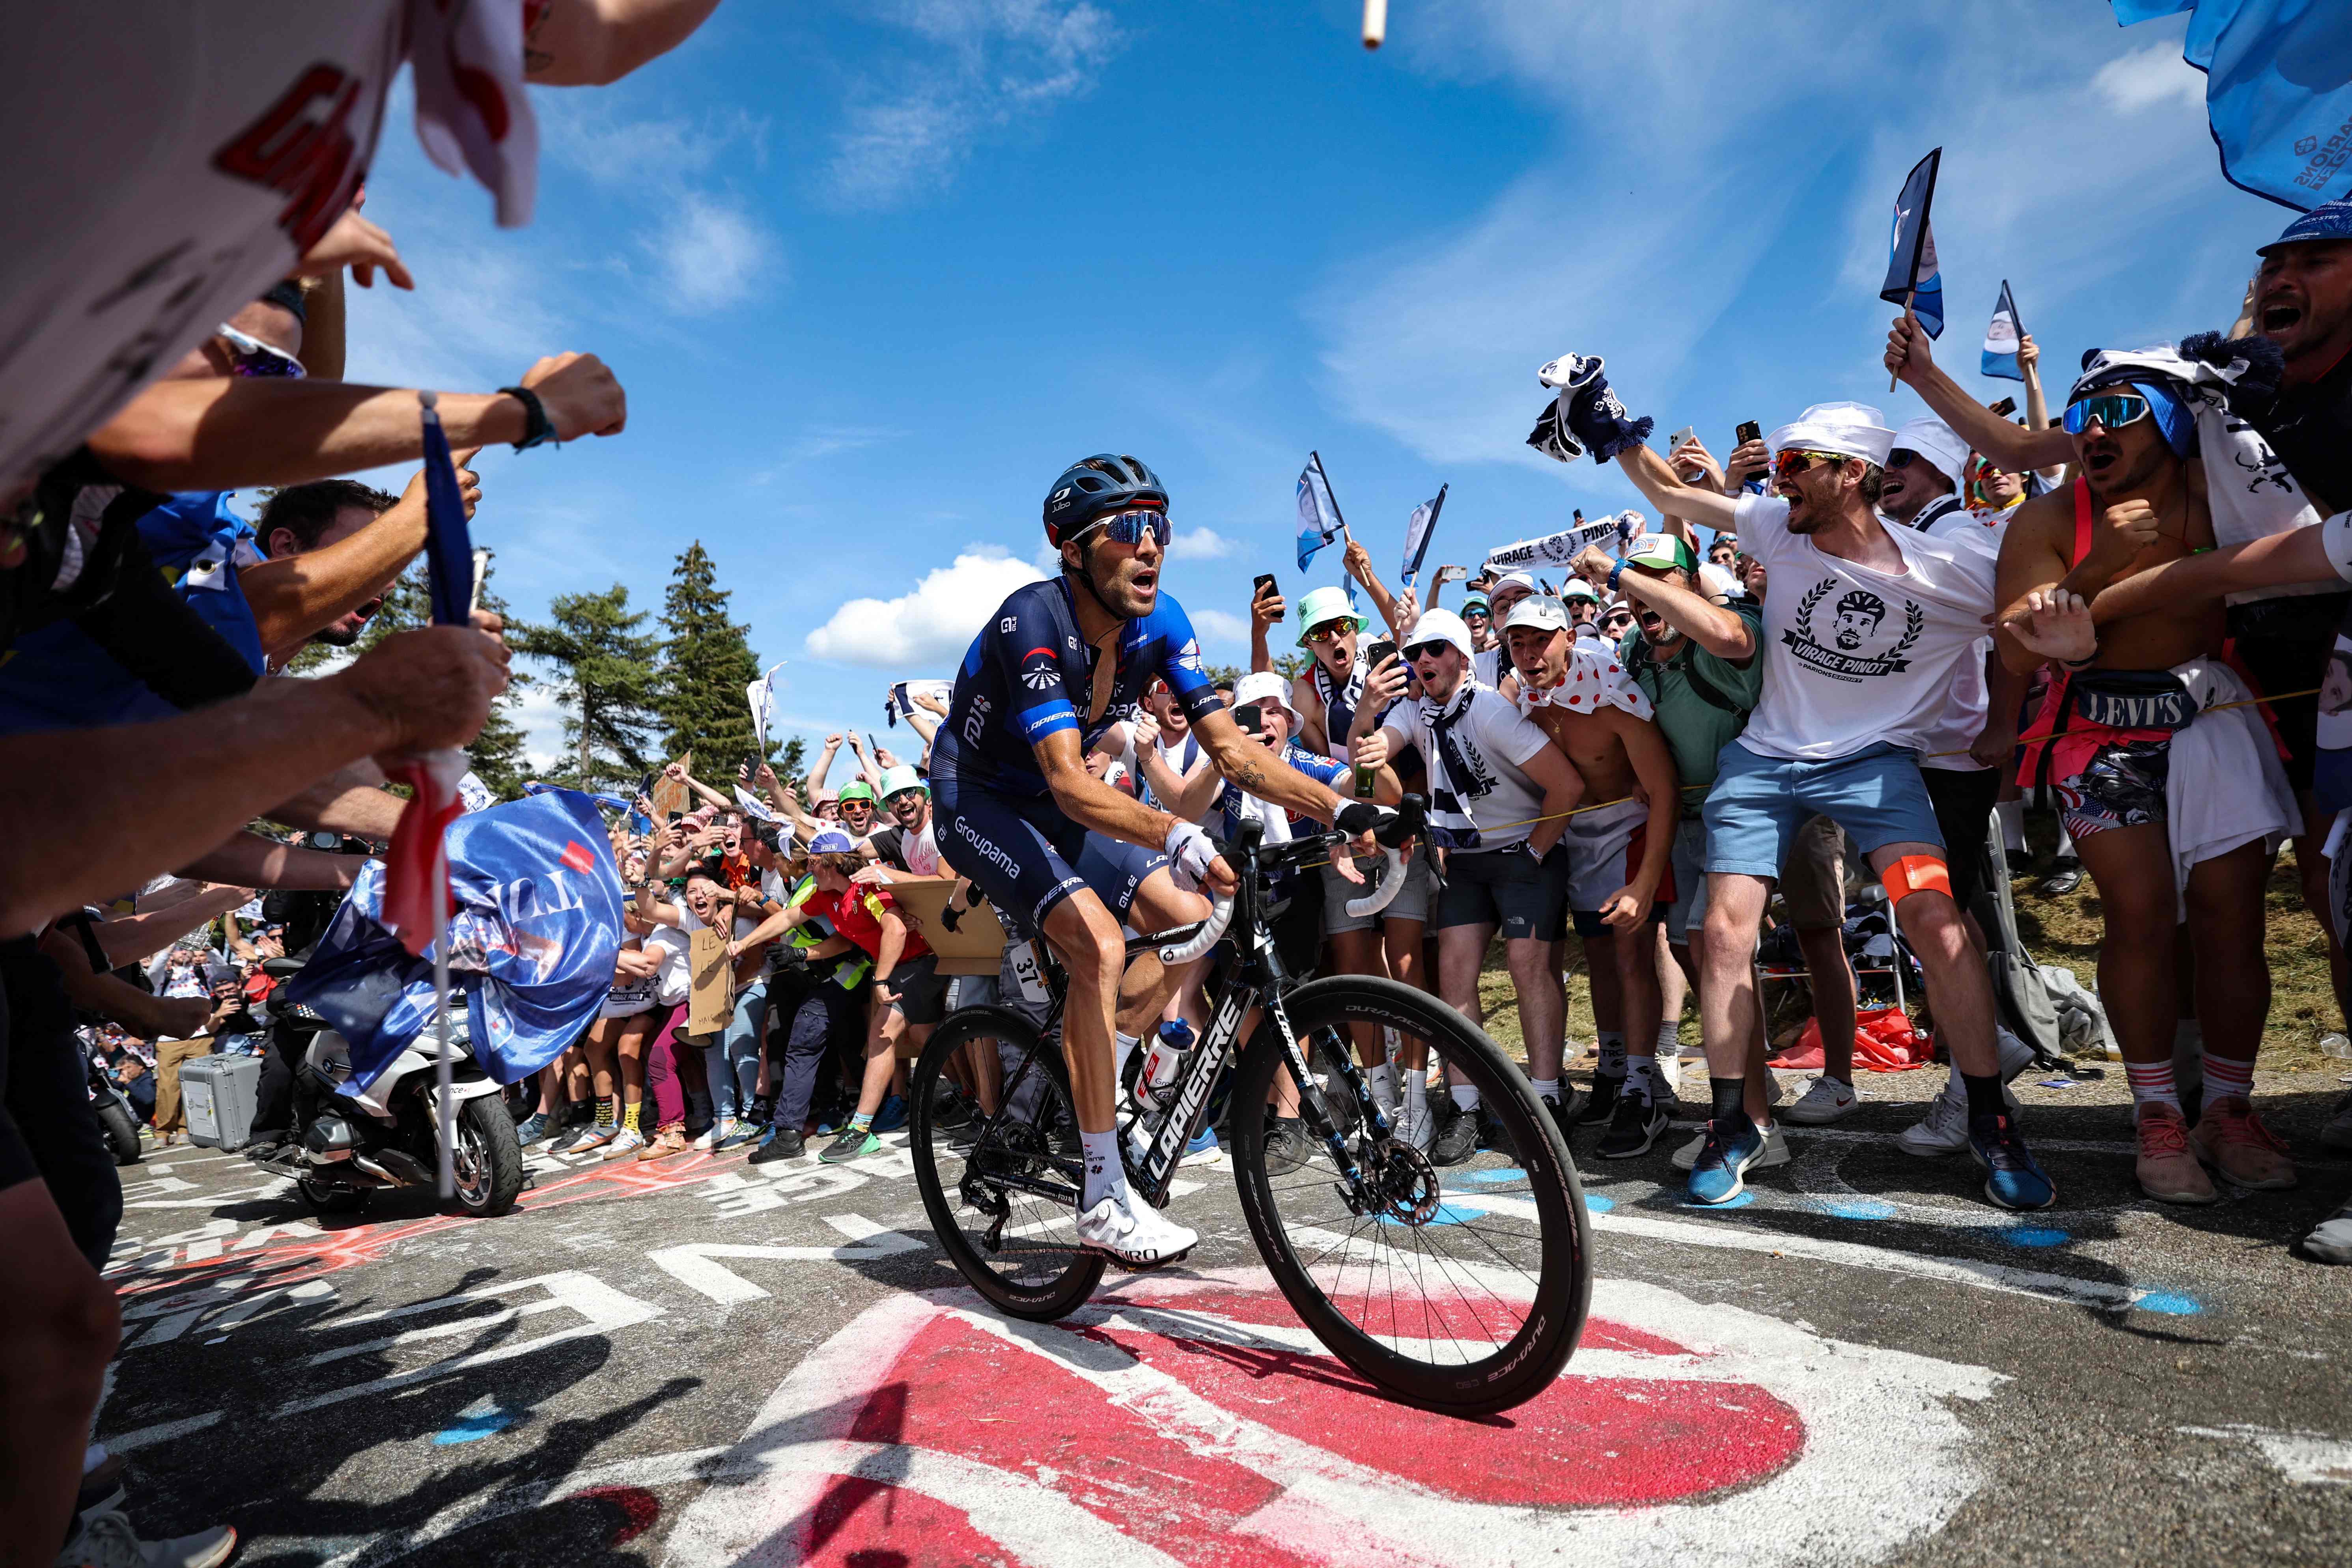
115 1119
347 1146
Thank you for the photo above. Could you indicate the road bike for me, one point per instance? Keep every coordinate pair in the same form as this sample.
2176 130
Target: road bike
1462 1287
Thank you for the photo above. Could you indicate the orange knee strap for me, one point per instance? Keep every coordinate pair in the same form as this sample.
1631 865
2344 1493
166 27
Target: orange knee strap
1916 874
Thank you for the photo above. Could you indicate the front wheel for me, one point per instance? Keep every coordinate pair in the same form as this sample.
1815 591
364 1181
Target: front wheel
1001 1187
1454 1270
121 1134
486 1164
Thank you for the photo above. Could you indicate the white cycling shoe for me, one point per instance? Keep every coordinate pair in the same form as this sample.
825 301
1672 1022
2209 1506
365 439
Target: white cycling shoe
1133 1233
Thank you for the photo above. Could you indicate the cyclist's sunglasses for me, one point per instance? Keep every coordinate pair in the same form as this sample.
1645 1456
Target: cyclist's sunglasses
1792 462
1128 527
2113 410
248 356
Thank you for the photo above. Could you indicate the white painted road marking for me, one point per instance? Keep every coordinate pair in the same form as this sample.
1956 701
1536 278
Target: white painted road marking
2309 1458
694 1265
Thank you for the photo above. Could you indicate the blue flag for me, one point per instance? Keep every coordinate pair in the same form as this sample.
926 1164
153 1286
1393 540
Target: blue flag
2001 339
448 547
1417 533
1912 277
1318 513
2278 90
532 945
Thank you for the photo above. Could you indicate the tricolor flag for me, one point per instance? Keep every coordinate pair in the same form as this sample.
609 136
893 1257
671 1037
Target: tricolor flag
1912 277
472 111
2278 90
2001 339
1417 533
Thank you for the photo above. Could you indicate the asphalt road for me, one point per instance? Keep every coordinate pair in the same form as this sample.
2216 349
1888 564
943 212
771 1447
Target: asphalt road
696 1361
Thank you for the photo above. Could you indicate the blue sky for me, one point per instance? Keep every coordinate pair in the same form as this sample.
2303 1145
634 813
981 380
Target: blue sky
873 275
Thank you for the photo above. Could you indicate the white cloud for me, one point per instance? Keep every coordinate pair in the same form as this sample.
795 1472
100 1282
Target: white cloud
2151 77
1201 544
930 626
987 66
1221 625
712 253
539 716
587 132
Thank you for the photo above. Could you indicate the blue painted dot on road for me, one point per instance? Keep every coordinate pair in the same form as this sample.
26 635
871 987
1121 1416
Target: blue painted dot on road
1741 1202
1496 1177
1861 1208
2169 1304
473 1426
2035 1236
1595 1204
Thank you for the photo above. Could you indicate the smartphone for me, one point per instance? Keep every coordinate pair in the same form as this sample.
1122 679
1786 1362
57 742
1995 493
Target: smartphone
2005 408
1377 652
1261 586
481 574
676 816
1748 431
1680 435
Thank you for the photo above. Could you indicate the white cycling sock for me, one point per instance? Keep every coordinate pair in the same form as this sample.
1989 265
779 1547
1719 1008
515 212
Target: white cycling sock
1547 1087
1106 1177
1120 1052
1381 1081
1465 1096
1642 1077
1416 1094
2012 824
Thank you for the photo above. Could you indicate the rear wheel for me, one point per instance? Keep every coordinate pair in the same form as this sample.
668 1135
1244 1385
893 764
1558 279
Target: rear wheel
1001 1191
1461 1285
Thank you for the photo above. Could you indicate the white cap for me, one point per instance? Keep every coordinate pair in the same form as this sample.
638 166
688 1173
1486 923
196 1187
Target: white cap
1848 429
1717 583
1935 440
1541 611
1578 588
1511 579
1261 684
1440 626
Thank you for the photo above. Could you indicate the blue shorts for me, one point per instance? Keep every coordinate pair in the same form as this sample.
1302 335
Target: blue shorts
1759 804
1027 857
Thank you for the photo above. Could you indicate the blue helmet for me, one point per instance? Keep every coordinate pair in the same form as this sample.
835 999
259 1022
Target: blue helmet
1098 487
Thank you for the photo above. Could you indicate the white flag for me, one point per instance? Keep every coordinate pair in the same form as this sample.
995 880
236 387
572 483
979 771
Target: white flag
762 697
1557 549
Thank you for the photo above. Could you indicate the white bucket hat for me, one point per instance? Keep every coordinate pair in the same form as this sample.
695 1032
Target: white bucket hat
1847 429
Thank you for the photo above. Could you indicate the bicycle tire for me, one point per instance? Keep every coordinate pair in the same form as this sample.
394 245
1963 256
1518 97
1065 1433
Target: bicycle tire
1525 1363
1065 1289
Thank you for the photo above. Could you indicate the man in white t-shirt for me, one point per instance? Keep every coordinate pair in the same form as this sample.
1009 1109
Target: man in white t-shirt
1865 626
1498 796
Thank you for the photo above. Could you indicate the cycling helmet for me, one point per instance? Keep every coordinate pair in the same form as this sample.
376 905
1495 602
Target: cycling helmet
1098 486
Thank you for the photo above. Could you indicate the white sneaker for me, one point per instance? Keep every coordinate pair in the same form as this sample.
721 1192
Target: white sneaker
107 1541
715 1134
1945 1129
1419 1128
590 1139
1824 1100
1134 1233
2330 1241
1774 1153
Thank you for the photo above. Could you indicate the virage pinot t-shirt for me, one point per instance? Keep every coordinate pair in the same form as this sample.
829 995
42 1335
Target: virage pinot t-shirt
1854 656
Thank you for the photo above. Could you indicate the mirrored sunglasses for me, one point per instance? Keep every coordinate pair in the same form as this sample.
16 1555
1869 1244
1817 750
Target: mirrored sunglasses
1129 527
248 356
2113 410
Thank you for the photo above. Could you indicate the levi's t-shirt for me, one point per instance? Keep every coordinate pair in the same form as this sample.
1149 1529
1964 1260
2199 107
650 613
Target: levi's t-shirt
1853 656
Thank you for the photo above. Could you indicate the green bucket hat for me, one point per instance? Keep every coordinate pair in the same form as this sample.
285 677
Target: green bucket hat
1325 604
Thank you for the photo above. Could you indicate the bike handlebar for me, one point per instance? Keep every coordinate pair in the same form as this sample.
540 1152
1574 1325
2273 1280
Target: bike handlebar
1382 897
1221 915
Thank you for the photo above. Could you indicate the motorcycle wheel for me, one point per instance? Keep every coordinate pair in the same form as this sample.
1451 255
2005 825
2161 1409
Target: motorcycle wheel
121 1134
487 1160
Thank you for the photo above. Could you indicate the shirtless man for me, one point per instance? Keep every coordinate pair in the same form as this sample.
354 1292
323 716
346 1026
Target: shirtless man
1620 849
2110 736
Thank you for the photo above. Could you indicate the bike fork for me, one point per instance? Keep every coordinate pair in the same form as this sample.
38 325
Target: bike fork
1310 1098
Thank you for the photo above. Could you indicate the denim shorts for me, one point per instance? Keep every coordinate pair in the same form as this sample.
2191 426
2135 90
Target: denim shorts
1758 803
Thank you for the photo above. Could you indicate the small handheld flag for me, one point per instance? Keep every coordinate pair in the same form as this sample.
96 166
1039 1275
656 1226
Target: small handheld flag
2001 339
1417 533
1319 521
2278 92
1912 277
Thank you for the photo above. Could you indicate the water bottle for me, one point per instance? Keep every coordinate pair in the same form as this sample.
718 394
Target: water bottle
1163 1064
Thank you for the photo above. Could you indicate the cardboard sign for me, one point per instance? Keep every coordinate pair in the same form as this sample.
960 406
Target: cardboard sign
711 1006
977 944
670 795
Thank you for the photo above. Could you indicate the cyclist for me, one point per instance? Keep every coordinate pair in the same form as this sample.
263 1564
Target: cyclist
1015 801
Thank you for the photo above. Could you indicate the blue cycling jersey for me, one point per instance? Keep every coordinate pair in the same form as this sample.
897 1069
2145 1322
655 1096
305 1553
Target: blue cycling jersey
1030 673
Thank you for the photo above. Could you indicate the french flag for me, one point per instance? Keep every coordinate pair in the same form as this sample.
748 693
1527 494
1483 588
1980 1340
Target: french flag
417 898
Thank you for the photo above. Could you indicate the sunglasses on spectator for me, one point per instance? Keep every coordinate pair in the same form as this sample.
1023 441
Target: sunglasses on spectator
1330 631
1420 650
1129 527
1900 457
2113 410
1475 616
248 356
1793 462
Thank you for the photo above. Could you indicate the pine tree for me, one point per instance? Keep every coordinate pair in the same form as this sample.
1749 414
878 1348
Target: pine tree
607 682
707 661
497 754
